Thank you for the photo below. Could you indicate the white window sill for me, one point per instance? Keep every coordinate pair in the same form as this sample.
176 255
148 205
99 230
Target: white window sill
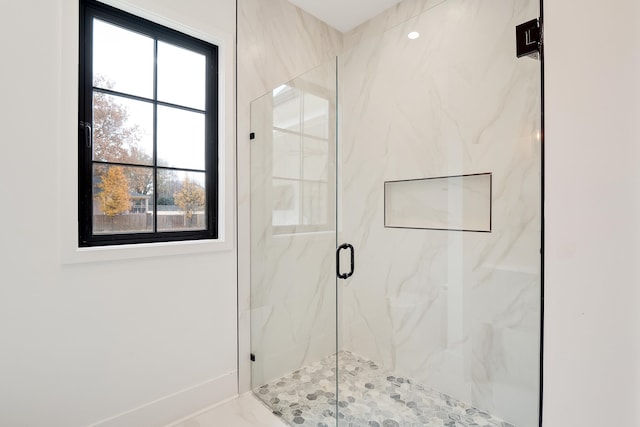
142 250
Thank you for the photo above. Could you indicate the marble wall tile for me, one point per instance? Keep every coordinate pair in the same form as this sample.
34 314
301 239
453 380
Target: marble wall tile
386 20
278 42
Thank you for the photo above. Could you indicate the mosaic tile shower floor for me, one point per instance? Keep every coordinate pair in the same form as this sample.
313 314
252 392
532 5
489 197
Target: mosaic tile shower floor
369 397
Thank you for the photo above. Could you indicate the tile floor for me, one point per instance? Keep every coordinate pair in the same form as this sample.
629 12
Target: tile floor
369 397
244 411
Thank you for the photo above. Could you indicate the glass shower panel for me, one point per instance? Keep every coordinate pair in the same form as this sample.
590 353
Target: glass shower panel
441 327
293 241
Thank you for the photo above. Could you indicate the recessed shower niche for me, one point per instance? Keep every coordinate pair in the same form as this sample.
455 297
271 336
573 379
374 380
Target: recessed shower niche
439 324
454 203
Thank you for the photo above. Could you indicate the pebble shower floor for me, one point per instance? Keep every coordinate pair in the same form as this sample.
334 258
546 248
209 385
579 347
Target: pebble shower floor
369 397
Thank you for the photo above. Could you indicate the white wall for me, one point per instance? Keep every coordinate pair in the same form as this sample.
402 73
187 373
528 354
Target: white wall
84 338
592 330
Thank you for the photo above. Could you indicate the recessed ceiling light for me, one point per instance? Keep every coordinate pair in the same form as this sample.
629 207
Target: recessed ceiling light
413 35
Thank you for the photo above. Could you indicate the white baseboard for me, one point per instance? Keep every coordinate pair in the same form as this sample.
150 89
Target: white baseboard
177 405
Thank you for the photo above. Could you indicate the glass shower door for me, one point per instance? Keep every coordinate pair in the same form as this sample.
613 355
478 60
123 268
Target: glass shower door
293 242
440 196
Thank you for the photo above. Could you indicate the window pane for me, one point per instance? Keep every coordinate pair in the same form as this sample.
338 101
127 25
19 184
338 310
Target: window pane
316 116
180 138
122 199
316 160
286 202
181 201
181 76
287 108
122 130
315 203
286 155
122 60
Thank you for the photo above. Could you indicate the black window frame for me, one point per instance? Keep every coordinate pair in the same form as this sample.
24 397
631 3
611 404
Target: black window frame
90 9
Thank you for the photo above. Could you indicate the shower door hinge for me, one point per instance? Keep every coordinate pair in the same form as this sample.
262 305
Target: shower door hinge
529 39
253 357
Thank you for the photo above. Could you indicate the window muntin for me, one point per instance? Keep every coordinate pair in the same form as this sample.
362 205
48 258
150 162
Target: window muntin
148 140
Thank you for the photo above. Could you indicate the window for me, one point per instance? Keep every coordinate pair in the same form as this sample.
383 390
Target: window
148 131
303 180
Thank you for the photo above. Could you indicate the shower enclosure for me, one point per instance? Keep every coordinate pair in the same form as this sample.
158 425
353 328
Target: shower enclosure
396 229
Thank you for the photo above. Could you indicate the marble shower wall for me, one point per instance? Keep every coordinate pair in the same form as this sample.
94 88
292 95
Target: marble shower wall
276 43
456 311
390 18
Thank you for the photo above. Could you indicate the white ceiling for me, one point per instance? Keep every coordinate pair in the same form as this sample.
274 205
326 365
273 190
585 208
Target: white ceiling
344 15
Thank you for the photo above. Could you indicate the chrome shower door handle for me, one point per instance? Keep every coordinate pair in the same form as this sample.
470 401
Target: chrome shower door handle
340 248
